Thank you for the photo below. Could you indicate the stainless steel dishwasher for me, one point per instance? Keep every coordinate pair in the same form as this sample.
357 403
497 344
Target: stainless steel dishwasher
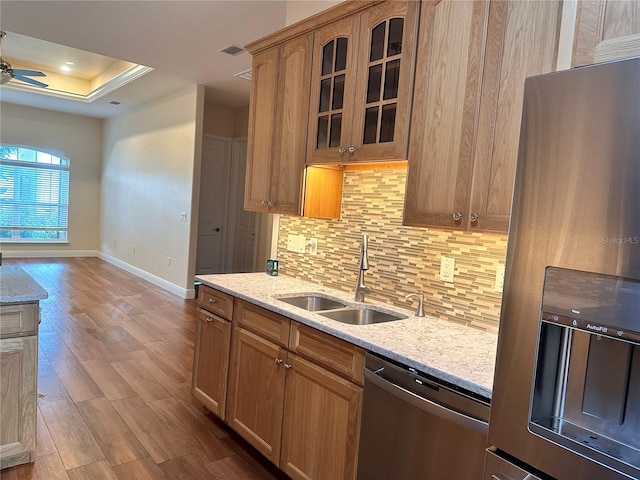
415 427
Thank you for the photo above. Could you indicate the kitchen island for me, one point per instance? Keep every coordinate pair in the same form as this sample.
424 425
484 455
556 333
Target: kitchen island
460 355
19 317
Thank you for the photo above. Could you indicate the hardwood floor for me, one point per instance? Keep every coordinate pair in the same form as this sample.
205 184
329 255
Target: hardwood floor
114 384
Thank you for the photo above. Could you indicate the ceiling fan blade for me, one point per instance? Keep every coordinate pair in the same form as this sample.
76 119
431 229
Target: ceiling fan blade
28 73
30 81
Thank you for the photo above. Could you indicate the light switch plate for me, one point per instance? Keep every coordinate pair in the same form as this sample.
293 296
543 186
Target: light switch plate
447 265
296 243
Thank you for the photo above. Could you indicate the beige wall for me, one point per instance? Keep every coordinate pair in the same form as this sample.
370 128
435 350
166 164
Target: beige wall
78 138
301 9
226 121
151 167
401 259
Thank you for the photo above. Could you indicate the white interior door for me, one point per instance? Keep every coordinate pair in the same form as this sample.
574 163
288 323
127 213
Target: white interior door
214 203
241 244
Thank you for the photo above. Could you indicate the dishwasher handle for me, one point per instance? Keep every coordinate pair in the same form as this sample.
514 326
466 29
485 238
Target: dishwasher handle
427 405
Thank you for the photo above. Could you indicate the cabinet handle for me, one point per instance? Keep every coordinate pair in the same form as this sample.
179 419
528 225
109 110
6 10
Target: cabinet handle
341 150
270 203
263 203
352 149
209 320
457 216
212 300
278 361
474 217
287 366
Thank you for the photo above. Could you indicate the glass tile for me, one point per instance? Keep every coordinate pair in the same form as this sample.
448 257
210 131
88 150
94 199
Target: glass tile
325 94
336 129
370 125
395 36
377 42
341 53
338 92
375 83
388 124
391 79
327 58
323 127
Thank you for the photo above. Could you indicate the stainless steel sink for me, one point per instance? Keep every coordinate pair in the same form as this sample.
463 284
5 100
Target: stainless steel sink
312 303
361 316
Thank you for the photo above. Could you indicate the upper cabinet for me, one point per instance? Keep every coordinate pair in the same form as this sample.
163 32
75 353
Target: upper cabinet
472 60
606 30
278 118
361 85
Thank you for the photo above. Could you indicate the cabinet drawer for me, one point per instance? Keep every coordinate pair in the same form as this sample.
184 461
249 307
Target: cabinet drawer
215 301
268 325
19 320
332 353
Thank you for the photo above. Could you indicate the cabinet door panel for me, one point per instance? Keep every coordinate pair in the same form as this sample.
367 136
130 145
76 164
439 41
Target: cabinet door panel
262 112
333 86
522 41
321 424
291 125
211 362
18 373
606 30
386 61
256 392
444 115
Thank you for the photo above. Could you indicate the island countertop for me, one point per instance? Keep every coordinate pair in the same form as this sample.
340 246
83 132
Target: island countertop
461 355
17 286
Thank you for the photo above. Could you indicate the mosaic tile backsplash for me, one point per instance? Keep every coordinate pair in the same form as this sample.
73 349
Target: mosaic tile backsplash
401 259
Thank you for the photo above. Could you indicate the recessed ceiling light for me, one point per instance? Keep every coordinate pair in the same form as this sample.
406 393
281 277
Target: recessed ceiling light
65 68
69 63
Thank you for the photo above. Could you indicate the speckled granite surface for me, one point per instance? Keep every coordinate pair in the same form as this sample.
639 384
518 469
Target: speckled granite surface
16 286
463 356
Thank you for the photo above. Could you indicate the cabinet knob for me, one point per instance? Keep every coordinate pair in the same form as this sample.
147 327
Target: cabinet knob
474 217
352 149
209 319
278 361
270 203
457 216
212 300
341 150
263 203
287 366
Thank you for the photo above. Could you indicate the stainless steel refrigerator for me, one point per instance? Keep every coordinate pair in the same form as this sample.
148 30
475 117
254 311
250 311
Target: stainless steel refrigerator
566 399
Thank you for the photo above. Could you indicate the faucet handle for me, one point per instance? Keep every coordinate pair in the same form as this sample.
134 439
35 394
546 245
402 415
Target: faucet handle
420 295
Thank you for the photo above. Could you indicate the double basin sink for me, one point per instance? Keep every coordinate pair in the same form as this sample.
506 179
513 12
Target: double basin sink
336 309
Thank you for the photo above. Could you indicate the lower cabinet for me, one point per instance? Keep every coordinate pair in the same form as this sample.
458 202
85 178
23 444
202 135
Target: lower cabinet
18 374
211 361
303 414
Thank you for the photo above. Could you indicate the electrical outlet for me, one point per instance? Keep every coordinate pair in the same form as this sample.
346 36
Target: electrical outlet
296 243
499 279
168 261
313 246
133 249
183 216
447 265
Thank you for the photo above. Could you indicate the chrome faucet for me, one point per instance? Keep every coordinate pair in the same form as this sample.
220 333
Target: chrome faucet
361 288
420 295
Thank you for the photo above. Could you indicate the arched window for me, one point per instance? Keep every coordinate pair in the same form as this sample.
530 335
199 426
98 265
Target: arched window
34 195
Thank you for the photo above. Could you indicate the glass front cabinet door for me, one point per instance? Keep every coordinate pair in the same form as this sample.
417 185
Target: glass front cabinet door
361 86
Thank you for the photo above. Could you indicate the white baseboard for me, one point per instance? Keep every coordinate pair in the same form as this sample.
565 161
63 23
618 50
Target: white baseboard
48 253
149 277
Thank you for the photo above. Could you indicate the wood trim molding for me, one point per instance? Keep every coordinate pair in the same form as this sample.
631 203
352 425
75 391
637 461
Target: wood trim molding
311 23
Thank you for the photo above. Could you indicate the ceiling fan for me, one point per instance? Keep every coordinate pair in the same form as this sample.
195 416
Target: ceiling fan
8 73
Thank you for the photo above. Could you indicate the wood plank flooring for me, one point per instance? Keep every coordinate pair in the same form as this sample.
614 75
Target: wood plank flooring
114 384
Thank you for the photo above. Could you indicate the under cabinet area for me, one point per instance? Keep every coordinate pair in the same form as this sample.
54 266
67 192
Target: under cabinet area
466 111
294 393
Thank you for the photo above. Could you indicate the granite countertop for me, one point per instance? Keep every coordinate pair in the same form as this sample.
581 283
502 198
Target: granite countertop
17 286
460 355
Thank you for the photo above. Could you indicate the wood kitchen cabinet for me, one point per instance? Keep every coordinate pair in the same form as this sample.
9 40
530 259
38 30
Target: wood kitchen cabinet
361 85
18 378
473 59
286 399
606 30
212 346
